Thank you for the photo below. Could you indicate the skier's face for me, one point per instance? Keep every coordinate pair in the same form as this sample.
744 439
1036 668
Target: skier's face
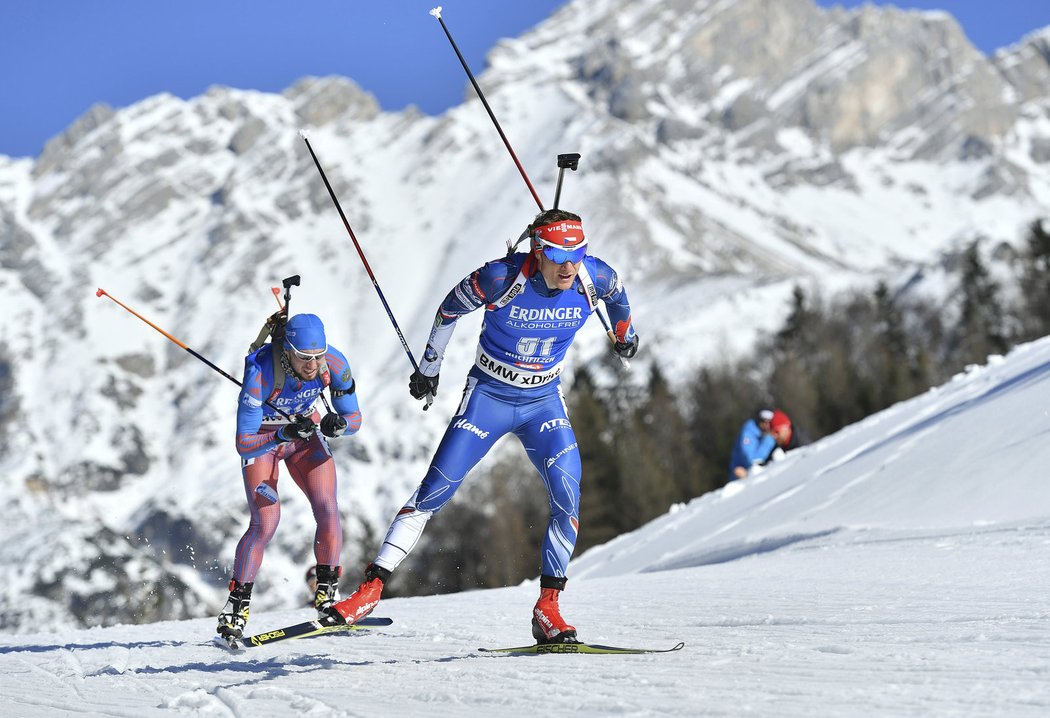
306 366
557 276
782 434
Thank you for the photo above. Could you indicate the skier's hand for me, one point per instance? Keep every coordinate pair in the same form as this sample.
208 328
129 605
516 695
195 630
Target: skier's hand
627 350
301 428
419 385
333 425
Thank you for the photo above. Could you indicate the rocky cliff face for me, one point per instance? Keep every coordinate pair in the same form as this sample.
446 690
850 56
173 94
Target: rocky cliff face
875 76
730 149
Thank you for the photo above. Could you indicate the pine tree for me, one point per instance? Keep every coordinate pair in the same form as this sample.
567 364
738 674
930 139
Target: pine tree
892 356
980 329
656 463
663 420
1035 281
723 397
596 440
798 336
516 511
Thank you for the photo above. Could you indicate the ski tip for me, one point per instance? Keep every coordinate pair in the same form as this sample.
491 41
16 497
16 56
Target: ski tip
304 134
577 647
100 292
374 621
436 12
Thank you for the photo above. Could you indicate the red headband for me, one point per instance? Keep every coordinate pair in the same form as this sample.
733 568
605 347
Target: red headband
567 234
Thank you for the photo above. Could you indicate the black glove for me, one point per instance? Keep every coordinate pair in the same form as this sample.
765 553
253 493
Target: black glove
419 385
627 349
333 425
301 428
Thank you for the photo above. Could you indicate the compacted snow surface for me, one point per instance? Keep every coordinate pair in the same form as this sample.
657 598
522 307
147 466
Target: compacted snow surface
899 567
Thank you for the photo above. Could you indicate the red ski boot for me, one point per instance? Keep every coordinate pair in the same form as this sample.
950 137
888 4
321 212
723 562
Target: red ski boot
361 602
547 624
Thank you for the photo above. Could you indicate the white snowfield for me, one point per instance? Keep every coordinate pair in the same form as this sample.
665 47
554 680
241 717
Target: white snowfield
898 568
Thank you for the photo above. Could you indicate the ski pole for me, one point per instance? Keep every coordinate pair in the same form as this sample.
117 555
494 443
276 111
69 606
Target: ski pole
103 293
288 282
280 319
567 161
436 12
364 261
571 161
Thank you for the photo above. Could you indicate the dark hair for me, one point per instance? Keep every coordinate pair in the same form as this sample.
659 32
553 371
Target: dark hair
548 216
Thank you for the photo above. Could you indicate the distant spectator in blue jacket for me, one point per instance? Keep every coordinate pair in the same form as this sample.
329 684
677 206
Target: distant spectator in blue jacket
753 445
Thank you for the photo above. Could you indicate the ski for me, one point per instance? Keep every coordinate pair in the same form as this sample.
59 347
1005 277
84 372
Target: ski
307 629
578 648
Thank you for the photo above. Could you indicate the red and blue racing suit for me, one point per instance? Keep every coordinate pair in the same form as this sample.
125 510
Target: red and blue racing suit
309 461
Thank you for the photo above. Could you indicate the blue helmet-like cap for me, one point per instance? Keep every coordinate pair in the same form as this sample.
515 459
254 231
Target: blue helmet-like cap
305 333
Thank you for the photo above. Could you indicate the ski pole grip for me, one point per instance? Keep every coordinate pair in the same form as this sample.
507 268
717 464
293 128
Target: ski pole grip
570 160
612 337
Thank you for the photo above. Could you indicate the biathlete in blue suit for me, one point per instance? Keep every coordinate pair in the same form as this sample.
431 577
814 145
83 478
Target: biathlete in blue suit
290 374
535 303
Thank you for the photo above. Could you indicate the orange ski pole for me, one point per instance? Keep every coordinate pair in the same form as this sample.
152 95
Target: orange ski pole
180 343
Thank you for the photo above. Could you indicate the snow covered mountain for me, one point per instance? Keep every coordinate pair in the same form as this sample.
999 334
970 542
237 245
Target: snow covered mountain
730 149
894 568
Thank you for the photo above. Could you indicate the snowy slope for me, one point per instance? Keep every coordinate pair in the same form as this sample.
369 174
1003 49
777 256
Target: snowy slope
895 568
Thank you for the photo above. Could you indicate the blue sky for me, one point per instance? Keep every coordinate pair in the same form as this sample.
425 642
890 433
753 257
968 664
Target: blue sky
59 57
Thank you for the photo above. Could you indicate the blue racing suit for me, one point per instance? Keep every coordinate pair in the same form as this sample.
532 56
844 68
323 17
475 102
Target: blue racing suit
514 387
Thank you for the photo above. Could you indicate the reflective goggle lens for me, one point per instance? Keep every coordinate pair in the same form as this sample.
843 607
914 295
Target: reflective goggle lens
559 255
308 357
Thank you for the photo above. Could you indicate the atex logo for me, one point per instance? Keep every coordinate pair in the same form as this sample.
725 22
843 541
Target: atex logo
467 426
555 424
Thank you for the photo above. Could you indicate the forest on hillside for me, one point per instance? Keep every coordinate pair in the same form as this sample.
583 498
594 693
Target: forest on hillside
647 446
